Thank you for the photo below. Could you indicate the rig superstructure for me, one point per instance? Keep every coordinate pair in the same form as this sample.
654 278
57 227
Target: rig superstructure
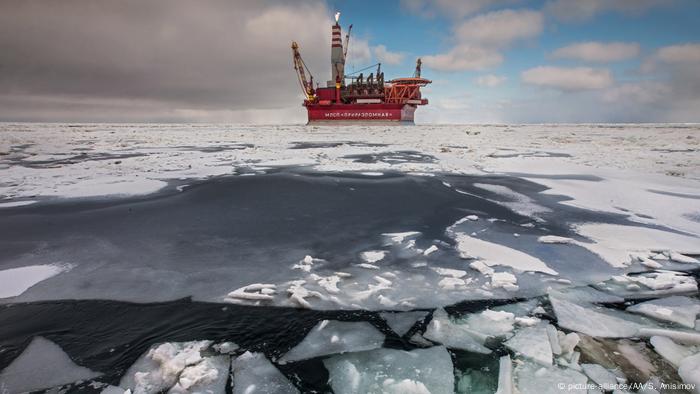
356 98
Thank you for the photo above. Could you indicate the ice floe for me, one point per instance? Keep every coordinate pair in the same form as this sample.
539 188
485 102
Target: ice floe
494 254
42 365
253 292
593 322
671 351
332 336
254 373
15 281
444 330
420 371
532 343
372 256
401 322
676 309
532 378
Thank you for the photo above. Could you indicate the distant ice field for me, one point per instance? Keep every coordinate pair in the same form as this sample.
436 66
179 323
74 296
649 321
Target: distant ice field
440 259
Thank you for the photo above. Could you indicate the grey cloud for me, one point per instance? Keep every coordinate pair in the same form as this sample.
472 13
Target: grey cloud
167 56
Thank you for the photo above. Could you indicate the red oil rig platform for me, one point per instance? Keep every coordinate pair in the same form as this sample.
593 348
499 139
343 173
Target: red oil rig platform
356 98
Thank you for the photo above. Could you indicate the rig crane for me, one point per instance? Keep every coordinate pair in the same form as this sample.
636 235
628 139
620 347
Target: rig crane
307 86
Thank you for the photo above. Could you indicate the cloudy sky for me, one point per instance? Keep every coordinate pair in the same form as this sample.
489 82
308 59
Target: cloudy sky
229 61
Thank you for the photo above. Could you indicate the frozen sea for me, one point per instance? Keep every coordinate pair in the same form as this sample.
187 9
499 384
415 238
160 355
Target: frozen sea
281 259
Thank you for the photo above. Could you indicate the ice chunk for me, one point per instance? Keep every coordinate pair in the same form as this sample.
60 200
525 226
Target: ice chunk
554 239
505 280
601 376
430 250
368 266
494 254
207 376
535 379
591 322
681 258
491 323
532 343
481 267
159 368
669 350
15 281
505 375
398 238
253 373
305 264
689 371
585 294
43 364
332 336
226 347
685 337
676 309
372 256
392 371
449 272
553 336
401 322
442 329
254 292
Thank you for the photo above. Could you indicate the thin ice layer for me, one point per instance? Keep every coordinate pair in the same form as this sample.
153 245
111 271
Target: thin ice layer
532 343
494 254
676 309
420 371
332 336
15 281
43 364
253 373
401 322
592 322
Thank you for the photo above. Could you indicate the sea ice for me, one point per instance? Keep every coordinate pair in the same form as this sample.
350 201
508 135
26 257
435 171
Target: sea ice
534 379
669 350
505 375
684 337
490 323
401 322
160 367
332 336
420 371
600 375
505 280
532 343
676 309
43 364
689 371
254 292
592 322
442 329
554 239
207 376
372 256
494 254
15 281
253 373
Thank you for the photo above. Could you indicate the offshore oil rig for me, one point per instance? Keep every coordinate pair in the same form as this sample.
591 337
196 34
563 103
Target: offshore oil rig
356 98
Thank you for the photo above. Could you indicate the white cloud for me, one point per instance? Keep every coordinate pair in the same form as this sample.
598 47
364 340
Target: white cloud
490 80
640 93
480 39
678 54
452 8
359 52
598 52
386 57
500 28
575 78
582 10
464 58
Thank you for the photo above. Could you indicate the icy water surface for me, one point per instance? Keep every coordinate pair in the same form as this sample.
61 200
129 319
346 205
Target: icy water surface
481 268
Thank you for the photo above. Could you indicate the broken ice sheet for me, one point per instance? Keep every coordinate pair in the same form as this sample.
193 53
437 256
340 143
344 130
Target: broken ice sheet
253 373
531 378
332 336
532 343
676 309
443 329
43 364
392 371
401 322
598 322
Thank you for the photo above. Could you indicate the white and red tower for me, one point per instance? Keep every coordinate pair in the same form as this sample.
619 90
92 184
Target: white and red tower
337 56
